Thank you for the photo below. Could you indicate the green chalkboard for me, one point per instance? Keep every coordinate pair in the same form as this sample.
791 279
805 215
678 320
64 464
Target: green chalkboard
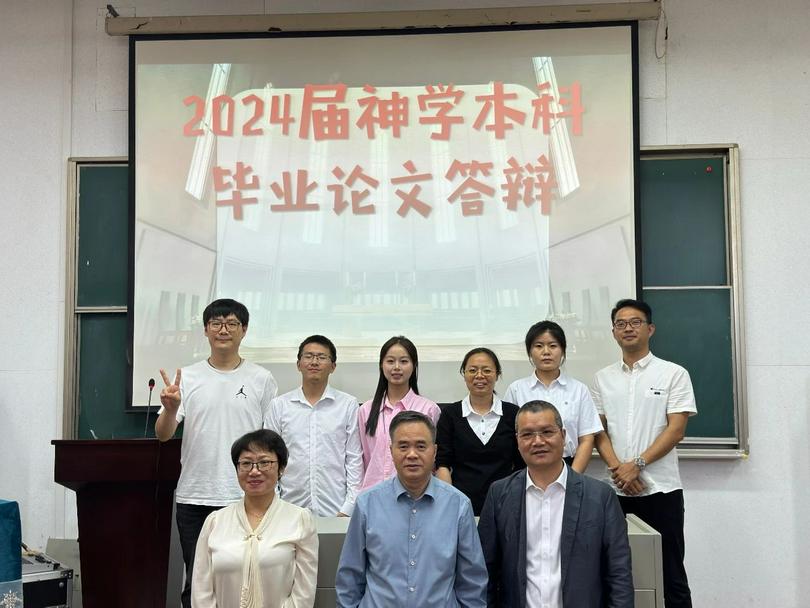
102 274
683 222
103 228
693 328
103 379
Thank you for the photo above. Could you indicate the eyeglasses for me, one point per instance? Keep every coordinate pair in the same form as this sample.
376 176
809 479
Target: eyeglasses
634 323
229 325
319 357
484 371
546 434
246 466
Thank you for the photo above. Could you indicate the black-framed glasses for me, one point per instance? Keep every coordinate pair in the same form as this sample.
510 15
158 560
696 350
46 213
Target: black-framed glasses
246 466
547 434
634 323
319 357
231 326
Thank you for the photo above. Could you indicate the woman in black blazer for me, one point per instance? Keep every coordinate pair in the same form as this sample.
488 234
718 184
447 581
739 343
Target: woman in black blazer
476 436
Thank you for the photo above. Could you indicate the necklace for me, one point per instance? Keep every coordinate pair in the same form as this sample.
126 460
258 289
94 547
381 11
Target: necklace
233 368
257 515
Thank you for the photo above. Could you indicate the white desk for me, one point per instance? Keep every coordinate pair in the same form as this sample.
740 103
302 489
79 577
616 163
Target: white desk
645 547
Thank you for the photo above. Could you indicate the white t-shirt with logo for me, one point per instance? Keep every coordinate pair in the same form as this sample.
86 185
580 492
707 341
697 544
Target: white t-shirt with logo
218 407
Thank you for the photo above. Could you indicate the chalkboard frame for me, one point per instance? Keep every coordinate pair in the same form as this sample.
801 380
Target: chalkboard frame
737 445
120 424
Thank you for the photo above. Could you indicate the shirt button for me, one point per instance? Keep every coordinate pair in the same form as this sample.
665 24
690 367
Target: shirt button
413 536
413 510
413 563
411 589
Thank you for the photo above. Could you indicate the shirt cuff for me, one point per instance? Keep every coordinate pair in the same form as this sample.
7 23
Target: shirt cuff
347 508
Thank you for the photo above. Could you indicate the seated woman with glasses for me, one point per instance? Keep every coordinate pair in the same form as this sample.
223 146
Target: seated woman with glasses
260 552
476 436
545 345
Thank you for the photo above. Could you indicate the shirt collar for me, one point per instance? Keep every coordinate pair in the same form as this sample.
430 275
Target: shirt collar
405 401
399 489
466 407
642 363
328 393
562 379
562 479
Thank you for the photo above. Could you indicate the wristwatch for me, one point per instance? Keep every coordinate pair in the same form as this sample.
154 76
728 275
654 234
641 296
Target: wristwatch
640 462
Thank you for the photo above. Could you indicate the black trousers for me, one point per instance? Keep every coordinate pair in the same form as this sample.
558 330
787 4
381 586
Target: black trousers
190 520
664 512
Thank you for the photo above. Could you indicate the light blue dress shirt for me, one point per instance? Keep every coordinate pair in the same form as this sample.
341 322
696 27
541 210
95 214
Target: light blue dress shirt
405 553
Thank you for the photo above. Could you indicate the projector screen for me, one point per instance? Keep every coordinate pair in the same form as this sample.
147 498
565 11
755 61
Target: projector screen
454 188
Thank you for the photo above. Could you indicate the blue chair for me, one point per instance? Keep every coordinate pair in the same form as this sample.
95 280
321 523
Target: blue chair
11 593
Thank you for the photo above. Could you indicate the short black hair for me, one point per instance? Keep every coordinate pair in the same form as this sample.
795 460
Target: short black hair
318 339
629 303
533 407
263 439
482 350
225 307
542 327
411 416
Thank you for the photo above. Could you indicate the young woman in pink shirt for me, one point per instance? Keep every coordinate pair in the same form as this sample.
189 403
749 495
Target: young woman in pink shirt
397 391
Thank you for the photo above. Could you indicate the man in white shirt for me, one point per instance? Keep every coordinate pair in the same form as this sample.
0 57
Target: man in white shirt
319 425
644 403
218 400
552 537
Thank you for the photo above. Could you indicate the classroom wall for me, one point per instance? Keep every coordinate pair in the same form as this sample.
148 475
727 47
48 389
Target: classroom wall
35 63
733 72
737 72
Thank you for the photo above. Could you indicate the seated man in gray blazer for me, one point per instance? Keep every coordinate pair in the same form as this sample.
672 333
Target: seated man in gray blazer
553 537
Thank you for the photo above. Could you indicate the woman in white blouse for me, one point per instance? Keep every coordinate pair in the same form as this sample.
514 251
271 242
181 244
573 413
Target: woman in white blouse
260 552
545 345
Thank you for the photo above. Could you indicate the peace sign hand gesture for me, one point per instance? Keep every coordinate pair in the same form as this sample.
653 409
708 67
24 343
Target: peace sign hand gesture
170 395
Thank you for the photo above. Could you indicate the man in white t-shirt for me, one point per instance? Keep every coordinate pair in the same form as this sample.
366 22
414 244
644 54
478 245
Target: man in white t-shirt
219 400
319 425
644 403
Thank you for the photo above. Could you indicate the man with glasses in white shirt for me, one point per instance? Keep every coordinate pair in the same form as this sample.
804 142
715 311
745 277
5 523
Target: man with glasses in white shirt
218 400
644 403
319 425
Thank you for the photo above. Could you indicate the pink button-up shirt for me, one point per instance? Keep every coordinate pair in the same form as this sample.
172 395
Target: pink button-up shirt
377 461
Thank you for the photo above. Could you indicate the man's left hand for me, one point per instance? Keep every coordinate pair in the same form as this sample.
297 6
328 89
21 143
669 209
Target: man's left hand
625 473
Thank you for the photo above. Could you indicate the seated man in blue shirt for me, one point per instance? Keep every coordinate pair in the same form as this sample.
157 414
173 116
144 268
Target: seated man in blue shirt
412 539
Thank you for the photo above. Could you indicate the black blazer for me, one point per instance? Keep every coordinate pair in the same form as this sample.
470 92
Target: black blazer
476 465
594 552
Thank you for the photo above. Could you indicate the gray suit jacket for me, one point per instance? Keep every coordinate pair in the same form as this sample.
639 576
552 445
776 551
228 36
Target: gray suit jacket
595 552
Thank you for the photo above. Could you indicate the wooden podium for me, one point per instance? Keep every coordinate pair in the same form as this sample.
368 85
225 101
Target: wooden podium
124 492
